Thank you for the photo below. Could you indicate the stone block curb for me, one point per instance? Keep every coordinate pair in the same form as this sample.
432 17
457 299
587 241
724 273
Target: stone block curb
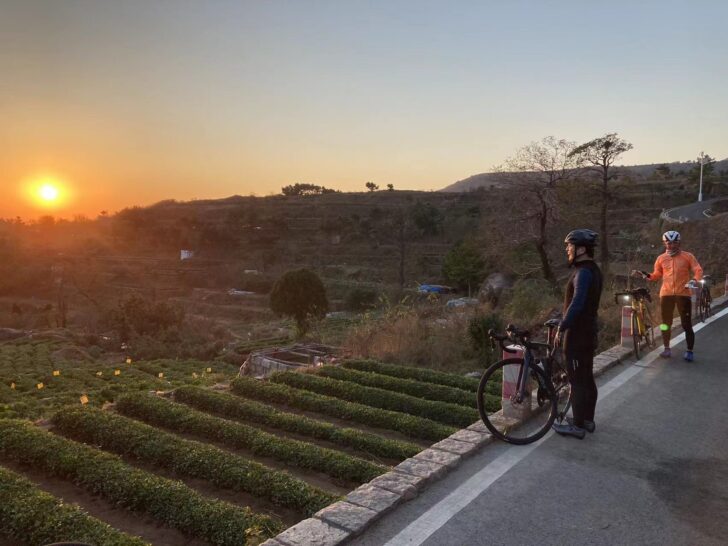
375 498
350 517
312 532
404 485
444 458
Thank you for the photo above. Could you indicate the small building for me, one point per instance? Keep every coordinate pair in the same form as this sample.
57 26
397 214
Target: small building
264 362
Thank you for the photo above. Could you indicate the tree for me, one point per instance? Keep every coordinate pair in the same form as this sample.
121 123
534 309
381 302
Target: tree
427 218
371 186
663 171
535 170
301 295
599 155
390 187
305 189
464 266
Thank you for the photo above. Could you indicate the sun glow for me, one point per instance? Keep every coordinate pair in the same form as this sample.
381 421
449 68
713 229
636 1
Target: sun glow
46 191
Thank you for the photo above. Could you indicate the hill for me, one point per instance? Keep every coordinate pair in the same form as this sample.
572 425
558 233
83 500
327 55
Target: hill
499 180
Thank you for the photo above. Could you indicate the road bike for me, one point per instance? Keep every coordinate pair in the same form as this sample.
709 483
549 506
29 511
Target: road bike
704 299
641 321
519 398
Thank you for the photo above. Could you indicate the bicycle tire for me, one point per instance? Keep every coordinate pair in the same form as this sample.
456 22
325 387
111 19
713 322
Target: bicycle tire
650 336
636 337
562 389
489 413
701 309
707 300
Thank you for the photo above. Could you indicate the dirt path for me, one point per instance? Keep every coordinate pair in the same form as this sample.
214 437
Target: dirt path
134 524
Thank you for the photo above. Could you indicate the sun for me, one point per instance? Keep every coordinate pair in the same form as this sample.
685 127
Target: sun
48 192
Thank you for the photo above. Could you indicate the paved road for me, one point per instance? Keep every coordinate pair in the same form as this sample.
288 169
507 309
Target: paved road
654 472
693 211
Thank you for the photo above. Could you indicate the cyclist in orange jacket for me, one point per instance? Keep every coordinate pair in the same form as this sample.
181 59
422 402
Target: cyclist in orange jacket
675 267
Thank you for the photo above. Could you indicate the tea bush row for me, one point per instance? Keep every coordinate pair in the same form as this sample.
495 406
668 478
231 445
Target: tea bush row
36 517
235 407
169 502
427 391
410 425
442 412
180 418
189 458
418 374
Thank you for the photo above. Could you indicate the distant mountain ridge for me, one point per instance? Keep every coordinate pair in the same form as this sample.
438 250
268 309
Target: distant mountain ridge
500 179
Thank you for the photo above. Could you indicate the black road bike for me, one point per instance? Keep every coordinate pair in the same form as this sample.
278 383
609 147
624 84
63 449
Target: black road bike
520 398
704 298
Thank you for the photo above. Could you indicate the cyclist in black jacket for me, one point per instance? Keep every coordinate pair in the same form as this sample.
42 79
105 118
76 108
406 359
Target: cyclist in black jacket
578 331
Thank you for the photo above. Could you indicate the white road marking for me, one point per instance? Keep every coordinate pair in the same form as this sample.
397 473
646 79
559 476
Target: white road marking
428 523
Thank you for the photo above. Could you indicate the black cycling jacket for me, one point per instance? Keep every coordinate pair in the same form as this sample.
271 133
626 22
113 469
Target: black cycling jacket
581 301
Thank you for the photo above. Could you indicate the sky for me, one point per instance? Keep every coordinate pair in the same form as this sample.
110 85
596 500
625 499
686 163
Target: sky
129 102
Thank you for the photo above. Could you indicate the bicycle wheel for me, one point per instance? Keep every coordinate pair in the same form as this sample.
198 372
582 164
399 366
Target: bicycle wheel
562 388
649 329
507 418
701 307
636 337
707 300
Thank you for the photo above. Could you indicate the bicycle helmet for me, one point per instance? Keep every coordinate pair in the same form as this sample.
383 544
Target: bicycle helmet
582 237
671 236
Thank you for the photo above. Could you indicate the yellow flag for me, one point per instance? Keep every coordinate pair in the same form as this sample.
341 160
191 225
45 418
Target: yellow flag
161 375
194 375
56 373
84 399
99 373
12 385
209 370
117 372
128 360
39 386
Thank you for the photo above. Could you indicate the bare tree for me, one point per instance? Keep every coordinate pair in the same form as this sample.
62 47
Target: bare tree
534 172
599 156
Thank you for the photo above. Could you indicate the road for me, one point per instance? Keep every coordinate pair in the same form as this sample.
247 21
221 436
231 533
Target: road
654 472
693 211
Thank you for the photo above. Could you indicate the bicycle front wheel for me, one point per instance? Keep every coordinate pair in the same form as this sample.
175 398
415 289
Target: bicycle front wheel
508 418
706 305
636 337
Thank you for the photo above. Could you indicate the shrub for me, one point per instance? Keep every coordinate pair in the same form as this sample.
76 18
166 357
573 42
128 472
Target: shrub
235 407
299 294
35 517
478 327
180 418
448 414
530 299
170 502
414 427
361 299
188 458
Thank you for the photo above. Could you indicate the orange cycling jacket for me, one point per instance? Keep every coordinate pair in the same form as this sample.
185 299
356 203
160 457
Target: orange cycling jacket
675 273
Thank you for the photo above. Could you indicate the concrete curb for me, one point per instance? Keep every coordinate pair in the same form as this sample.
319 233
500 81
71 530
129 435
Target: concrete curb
348 518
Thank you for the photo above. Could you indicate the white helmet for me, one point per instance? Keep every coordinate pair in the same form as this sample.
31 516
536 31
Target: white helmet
671 236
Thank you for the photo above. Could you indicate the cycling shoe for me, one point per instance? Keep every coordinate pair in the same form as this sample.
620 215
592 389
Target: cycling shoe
589 426
667 353
688 356
569 430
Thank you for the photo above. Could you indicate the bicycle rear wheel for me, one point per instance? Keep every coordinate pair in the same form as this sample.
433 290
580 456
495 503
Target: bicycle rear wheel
562 387
701 307
507 418
706 304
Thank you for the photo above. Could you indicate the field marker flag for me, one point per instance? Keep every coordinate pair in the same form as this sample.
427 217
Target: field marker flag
56 373
161 375
39 386
84 399
117 372
128 360
99 374
209 370
12 385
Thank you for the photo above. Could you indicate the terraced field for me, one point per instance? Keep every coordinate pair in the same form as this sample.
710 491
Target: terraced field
197 455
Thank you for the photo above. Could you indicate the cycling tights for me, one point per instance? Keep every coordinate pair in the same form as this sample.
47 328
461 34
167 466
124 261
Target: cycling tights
580 367
684 309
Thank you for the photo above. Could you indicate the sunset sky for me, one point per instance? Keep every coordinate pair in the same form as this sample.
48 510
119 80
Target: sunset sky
128 102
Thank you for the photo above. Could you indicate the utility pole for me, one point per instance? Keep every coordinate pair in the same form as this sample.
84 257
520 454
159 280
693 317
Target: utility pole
700 191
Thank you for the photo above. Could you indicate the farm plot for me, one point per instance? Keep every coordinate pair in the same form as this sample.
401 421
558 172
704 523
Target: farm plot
231 466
